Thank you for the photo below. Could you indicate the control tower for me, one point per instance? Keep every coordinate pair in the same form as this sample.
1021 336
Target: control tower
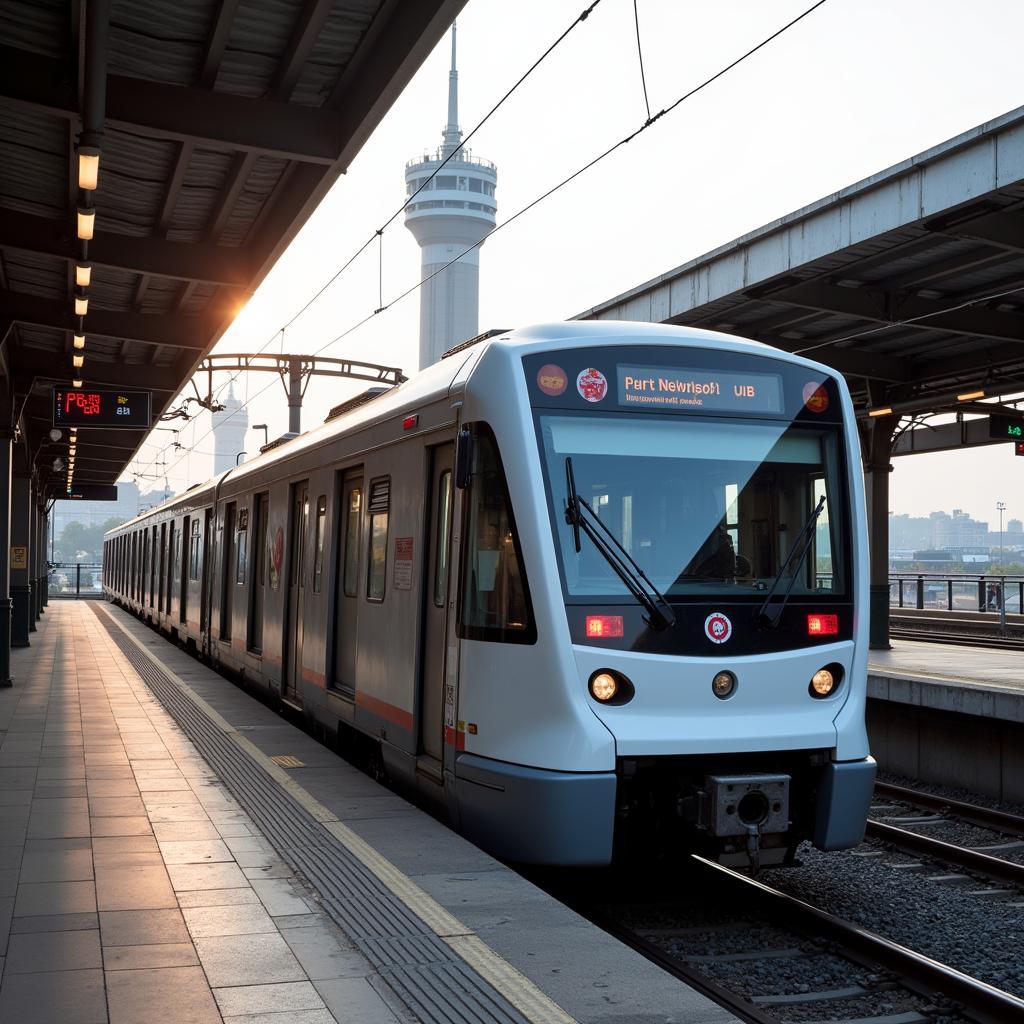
454 211
229 429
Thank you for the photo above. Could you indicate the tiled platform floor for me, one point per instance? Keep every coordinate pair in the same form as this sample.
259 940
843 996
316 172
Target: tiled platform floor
132 887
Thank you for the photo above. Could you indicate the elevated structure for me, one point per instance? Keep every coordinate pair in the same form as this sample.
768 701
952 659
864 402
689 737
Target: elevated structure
230 427
454 210
910 282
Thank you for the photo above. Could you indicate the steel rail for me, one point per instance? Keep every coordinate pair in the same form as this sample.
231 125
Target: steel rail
976 999
743 1008
970 860
985 817
960 639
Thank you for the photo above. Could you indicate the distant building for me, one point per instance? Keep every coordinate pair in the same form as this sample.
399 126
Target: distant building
230 427
1015 526
455 210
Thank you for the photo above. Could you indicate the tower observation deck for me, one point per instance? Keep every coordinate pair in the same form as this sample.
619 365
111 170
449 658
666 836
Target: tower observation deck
454 211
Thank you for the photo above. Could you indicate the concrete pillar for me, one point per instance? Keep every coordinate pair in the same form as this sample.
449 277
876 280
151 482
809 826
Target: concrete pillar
6 445
877 470
22 612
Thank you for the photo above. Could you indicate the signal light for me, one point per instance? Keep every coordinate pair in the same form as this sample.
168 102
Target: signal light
602 626
409 422
822 625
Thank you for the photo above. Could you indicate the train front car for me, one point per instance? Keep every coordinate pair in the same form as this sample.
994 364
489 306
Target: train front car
676 569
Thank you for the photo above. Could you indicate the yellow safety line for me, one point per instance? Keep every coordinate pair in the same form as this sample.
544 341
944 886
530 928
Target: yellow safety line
522 993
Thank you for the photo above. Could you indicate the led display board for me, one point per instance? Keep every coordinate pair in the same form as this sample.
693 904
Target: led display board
91 492
673 387
1006 428
93 407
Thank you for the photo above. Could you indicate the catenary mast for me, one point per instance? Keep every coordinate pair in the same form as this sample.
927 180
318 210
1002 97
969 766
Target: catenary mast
456 210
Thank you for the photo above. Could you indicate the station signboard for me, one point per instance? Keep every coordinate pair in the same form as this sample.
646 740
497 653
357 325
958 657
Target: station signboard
96 407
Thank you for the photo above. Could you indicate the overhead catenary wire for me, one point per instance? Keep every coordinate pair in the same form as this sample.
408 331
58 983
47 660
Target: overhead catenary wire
578 20
604 154
640 57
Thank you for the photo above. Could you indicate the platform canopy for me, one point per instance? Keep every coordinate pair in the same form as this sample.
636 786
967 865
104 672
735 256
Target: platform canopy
910 282
219 125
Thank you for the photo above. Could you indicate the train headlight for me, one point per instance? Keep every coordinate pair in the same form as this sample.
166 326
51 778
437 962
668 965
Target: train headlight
826 681
723 685
610 687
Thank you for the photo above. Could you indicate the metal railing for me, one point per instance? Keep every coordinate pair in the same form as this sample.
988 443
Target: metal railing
957 593
75 579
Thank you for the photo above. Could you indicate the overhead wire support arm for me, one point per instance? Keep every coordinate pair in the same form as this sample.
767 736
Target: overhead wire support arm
295 372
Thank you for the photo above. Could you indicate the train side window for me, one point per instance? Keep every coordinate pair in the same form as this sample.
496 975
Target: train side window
193 552
354 507
318 543
242 547
495 596
380 501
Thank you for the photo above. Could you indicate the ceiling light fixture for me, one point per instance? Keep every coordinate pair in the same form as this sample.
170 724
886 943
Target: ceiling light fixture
79 341
77 383
970 396
88 167
884 411
81 305
86 223
77 359
83 274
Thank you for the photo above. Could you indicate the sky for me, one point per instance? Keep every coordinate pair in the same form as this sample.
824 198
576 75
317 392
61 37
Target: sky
855 87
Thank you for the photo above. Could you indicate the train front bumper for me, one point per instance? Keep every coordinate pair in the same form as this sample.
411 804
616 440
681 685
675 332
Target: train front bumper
842 802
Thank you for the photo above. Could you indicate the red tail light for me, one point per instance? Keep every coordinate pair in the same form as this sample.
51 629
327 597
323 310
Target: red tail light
822 625
604 626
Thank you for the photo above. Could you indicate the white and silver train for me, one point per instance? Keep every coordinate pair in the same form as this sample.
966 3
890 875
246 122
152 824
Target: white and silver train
598 589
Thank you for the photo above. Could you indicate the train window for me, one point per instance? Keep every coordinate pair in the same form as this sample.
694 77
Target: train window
242 547
318 543
353 508
444 509
193 552
380 500
495 597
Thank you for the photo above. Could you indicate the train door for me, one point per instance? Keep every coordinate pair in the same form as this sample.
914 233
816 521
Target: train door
163 568
296 591
227 582
204 573
435 601
346 597
185 542
258 586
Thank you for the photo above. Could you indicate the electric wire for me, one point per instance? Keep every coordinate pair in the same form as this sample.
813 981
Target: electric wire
640 57
580 18
556 188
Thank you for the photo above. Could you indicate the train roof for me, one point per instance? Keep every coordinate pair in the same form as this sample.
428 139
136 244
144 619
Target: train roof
437 381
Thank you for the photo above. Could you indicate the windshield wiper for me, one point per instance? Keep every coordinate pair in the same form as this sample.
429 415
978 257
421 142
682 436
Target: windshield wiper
802 544
659 613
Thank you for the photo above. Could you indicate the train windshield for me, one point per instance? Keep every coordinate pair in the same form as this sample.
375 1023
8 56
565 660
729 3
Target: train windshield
704 506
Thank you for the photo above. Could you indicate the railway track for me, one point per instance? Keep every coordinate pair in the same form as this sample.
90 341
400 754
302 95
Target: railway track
976 860
886 982
1002 643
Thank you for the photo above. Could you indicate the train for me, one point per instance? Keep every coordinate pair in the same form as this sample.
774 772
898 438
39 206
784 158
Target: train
597 591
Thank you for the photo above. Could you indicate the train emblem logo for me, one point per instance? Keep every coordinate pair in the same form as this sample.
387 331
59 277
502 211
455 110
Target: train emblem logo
552 379
592 384
717 627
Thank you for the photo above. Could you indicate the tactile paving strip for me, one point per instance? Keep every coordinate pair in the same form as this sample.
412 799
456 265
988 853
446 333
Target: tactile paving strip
433 982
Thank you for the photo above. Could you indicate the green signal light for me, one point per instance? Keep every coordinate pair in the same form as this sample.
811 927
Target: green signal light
1015 430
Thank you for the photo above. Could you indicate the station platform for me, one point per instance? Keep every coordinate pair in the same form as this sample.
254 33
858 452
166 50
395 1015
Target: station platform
173 850
949 715
978 681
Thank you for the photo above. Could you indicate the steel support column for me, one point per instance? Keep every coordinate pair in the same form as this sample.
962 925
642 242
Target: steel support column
295 395
20 550
877 470
44 565
6 446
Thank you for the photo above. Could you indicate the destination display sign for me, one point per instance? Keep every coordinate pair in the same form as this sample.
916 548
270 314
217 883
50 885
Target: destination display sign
1006 428
91 492
699 390
91 407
